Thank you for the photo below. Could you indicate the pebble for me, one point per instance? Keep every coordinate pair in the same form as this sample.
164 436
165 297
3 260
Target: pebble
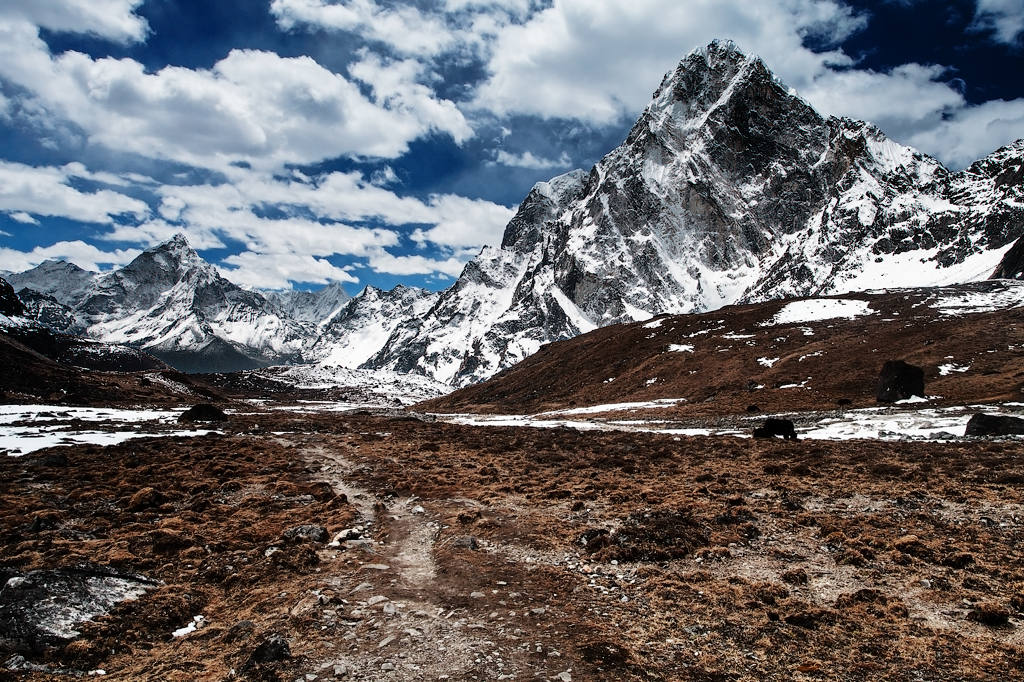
476 595
376 567
418 510
387 640
565 676
373 601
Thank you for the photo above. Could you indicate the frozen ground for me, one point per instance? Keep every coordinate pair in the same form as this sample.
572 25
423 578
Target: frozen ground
27 428
373 387
911 421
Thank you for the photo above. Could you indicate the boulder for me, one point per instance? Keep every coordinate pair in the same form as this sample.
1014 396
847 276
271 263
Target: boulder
898 381
203 412
994 425
773 427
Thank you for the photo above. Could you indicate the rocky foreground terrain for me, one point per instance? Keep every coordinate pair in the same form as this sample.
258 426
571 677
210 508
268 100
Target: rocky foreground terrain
295 545
297 536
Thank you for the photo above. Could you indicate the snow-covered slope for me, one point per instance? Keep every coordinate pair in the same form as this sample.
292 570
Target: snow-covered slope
363 325
729 188
315 307
65 282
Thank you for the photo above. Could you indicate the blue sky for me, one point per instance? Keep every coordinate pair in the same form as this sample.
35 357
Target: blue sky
297 142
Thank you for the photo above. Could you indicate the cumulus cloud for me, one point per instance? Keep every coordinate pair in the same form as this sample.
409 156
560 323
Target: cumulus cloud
44 191
1003 18
110 19
869 96
78 252
278 271
403 28
316 218
580 59
24 218
527 159
974 131
384 262
251 106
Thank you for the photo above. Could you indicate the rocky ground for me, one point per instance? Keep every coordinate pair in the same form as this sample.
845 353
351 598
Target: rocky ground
386 547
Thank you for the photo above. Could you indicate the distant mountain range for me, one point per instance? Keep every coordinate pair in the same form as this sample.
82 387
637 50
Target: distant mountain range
729 189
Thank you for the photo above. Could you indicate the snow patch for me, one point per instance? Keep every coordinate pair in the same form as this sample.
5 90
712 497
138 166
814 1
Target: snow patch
816 309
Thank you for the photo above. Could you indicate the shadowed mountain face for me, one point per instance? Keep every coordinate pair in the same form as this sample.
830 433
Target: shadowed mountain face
729 188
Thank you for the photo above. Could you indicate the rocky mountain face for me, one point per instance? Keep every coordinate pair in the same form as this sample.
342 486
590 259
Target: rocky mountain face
10 304
729 188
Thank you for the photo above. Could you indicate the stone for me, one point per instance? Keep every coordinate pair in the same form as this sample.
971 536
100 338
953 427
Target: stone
144 499
274 648
899 380
306 533
468 542
203 412
994 425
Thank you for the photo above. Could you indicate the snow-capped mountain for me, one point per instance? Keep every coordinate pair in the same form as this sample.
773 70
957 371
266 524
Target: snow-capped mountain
363 326
729 188
169 302
65 282
176 306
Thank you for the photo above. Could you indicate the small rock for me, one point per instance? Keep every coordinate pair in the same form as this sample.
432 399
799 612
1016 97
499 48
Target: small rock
306 533
144 499
468 542
565 676
273 648
373 601
418 510
476 595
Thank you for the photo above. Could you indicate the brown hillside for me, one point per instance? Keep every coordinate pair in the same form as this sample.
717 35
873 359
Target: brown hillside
818 362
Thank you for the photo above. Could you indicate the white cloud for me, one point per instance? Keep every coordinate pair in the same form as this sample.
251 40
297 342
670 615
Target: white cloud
974 131
318 226
253 106
22 217
528 160
111 19
456 222
1004 18
462 223
44 191
384 262
277 271
78 252
396 85
870 96
403 28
